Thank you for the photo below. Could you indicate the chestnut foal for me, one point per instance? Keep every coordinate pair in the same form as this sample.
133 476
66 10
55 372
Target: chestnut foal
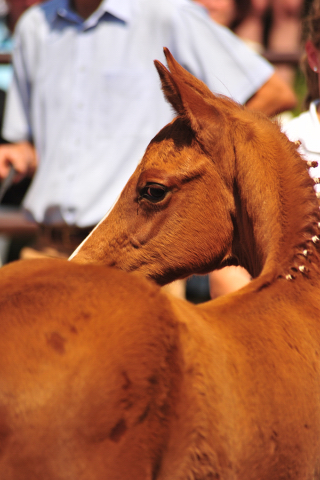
103 376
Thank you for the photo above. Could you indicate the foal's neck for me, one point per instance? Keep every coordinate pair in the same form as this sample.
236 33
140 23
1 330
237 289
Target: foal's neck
277 212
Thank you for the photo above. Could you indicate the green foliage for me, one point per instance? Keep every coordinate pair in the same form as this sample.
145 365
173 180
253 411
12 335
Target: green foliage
300 89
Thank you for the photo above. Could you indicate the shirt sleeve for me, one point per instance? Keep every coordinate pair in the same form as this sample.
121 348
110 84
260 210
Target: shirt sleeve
217 56
16 123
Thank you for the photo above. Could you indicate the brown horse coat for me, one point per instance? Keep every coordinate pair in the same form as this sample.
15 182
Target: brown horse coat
103 376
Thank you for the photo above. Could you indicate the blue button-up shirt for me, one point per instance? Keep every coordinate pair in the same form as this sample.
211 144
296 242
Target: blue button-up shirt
88 95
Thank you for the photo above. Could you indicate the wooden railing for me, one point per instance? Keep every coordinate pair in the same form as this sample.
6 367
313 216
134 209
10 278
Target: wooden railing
14 222
5 58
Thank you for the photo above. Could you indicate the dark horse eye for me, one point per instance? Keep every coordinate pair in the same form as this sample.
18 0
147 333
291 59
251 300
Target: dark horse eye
154 192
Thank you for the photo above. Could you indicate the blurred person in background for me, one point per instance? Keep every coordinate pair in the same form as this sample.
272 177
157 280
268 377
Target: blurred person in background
230 13
10 11
306 127
281 36
248 19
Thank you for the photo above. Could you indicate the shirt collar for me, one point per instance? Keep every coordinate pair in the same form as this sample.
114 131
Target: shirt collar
63 10
122 10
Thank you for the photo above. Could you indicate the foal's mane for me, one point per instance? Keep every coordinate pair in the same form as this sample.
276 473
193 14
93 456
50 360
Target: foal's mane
261 165
289 190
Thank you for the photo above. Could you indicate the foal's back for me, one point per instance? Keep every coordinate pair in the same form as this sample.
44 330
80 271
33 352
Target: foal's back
89 359
103 376
251 386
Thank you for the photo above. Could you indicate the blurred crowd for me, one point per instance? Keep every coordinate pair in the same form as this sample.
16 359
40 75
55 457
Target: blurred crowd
264 24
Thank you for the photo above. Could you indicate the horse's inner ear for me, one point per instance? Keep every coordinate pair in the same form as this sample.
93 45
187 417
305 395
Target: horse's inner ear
170 89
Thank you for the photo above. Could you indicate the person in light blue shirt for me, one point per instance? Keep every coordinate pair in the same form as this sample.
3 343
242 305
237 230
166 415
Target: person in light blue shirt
85 99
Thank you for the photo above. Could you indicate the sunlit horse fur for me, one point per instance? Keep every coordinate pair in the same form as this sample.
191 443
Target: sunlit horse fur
103 376
235 191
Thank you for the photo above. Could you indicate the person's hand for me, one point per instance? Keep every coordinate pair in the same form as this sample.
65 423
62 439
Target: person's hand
22 156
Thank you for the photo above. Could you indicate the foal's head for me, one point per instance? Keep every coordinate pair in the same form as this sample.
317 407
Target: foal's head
202 195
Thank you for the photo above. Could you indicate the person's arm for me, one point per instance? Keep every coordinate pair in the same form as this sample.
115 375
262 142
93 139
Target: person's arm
22 156
227 65
275 96
227 280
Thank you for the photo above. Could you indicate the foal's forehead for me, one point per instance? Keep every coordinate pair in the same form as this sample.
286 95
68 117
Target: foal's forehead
170 156
178 130
166 163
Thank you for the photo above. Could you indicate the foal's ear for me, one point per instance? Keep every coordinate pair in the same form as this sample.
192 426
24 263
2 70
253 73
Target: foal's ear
169 88
177 70
190 97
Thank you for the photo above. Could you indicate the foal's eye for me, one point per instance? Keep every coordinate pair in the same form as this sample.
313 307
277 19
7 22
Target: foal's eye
154 192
